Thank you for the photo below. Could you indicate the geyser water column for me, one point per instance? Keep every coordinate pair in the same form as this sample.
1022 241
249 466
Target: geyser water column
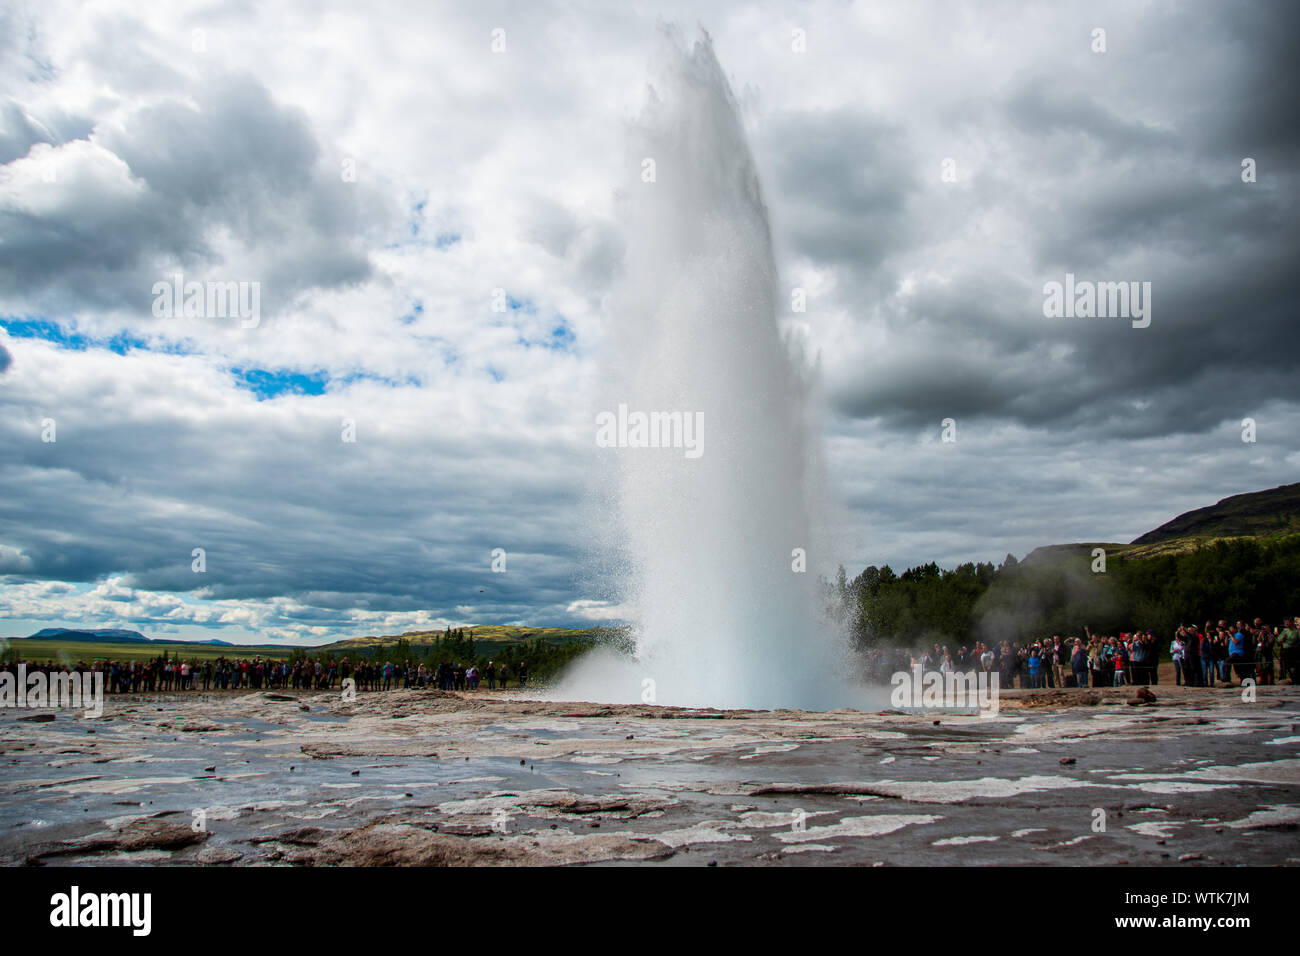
707 543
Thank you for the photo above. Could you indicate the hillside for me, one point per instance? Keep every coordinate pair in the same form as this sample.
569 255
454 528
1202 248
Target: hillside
1252 515
1236 560
488 638
1255 514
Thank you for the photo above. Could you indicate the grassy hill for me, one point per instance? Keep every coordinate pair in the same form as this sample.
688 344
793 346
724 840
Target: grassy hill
1256 514
1239 558
488 638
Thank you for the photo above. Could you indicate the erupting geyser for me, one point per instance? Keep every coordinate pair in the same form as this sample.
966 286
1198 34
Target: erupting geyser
708 535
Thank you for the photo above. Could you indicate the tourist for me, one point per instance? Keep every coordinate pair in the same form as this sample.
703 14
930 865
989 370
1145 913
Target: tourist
1207 654
1264 648
1079 664
1288 647
1034 662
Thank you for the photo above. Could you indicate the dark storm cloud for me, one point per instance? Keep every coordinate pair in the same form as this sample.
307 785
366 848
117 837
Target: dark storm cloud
844 178
170 184
306 518
1251 104
1113 173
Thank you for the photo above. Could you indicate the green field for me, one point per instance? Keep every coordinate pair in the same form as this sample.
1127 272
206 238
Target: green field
489 640
38 649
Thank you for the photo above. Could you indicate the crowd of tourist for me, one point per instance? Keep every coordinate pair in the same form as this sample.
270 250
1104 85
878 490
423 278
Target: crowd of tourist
1221 652
259 673
1206 656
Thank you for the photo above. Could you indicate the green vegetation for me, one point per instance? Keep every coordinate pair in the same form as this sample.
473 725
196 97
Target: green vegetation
544 651
42 649
1058 593
488 638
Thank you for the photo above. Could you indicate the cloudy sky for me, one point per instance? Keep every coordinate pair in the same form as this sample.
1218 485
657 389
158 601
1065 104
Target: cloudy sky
387 178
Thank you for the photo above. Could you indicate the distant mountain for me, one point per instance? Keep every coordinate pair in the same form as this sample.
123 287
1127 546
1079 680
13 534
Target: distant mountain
103 635
108 635
1252 515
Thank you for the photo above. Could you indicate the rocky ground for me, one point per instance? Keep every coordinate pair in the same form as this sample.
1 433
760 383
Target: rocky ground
421 777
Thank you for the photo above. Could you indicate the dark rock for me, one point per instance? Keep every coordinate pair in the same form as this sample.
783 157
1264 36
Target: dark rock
302 836
1143 696
156 834
138 835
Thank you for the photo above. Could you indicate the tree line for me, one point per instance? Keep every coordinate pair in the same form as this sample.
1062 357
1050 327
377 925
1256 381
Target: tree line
1230 579
541 658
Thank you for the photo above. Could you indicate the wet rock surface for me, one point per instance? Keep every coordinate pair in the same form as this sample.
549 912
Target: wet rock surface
1191 777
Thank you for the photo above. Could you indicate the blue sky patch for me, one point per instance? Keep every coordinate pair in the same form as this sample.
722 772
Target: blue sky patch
417 310
48 331
560 338
271 383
